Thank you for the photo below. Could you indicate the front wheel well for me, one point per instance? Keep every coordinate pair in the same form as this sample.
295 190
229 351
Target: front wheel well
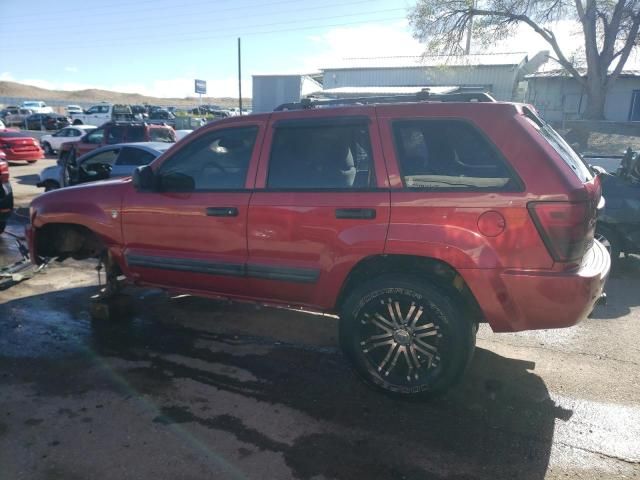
440 274
63 240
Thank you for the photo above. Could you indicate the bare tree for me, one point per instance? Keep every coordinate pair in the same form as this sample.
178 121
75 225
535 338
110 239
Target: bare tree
610 30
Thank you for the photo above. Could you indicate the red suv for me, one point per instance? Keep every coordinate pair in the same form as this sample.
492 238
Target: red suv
412 221
111 133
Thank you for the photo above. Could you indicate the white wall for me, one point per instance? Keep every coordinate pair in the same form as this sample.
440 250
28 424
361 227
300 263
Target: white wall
499 79
558 97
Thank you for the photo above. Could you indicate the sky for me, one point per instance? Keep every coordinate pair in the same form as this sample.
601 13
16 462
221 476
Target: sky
158 47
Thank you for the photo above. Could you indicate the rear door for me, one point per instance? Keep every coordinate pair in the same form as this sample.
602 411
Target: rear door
321 204
196 240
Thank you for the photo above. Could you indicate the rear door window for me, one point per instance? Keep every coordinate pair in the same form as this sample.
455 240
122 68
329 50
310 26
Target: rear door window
449 155
308 157
161 135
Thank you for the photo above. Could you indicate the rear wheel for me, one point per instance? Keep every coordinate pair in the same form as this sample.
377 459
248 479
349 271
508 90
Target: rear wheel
3 226
77 122
47 148
405 336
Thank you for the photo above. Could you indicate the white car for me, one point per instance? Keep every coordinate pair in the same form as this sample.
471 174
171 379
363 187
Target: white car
180 134
51 143
2 126
36 106
110 161
73 109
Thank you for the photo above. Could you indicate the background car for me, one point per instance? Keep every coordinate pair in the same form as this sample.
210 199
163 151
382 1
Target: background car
17 118
51 143
618 227
2 125
48 121
36 106
10 110
112 133
19 146
73 109
6 194
112 161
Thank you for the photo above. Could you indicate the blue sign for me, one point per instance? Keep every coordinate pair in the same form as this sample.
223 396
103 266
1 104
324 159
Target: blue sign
201 86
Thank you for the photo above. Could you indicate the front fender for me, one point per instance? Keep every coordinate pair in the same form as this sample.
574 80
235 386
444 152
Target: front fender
94 206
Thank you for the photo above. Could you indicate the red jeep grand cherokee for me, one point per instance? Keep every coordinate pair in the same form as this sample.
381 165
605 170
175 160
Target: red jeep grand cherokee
412 221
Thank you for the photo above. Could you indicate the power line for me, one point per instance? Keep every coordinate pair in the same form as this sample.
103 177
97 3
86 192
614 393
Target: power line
184 39
171 19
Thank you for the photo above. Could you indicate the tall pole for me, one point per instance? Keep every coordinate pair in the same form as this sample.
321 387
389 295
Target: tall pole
239 77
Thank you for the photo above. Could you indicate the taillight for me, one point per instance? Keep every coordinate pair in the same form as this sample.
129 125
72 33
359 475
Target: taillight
4 172
565 227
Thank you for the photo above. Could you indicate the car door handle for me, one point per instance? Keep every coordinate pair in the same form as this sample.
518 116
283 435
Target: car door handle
361 213
222 212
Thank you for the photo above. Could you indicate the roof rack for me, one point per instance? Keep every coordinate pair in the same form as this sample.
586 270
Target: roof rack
422 96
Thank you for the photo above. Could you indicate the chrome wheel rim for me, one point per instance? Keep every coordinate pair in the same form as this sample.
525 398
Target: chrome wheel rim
401 341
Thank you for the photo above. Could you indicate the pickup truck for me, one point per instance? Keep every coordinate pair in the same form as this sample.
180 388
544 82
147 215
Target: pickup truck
99 114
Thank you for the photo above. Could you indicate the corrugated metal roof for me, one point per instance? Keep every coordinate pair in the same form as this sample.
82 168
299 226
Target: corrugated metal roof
384 90
561 72
489 59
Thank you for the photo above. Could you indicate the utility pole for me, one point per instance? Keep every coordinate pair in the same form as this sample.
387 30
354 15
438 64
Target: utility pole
239 77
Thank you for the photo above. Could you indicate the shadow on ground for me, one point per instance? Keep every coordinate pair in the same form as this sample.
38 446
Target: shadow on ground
498 424
621 288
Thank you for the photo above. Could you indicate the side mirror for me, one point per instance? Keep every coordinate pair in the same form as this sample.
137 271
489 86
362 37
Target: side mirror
144 179
177 182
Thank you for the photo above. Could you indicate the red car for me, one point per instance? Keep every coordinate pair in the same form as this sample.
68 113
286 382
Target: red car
111 133
6 194
412 221
17 147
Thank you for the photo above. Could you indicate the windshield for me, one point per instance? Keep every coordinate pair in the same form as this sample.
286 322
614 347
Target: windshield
560 145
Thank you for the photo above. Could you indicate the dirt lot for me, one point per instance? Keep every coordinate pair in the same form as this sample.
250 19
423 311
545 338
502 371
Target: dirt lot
190 388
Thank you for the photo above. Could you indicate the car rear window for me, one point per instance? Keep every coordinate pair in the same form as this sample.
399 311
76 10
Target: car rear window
162 135
559 144
134 157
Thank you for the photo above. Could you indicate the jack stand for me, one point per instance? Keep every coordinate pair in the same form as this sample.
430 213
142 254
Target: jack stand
110 304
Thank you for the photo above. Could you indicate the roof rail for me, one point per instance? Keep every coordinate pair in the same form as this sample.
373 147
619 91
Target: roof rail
422 96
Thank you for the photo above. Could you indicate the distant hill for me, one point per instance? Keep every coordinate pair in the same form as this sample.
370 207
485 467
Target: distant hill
19 90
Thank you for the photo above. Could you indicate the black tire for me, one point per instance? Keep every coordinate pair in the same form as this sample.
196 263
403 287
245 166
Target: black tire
3 226
77 122
419 356
610 241
50 185
47 148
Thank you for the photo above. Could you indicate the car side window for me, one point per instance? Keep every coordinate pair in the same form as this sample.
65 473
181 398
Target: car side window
95 137
448 154
321 157
134 156
216 160
107 157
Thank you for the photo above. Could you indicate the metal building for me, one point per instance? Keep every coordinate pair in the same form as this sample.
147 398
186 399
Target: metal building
269 91
498 74
559 97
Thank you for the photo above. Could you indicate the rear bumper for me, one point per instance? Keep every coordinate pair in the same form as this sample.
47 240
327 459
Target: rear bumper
515 300
30 155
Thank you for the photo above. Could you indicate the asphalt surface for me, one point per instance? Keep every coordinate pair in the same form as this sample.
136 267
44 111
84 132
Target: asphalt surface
188 388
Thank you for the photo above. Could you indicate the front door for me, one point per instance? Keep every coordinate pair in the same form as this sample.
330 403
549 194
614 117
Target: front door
321 204
195 240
